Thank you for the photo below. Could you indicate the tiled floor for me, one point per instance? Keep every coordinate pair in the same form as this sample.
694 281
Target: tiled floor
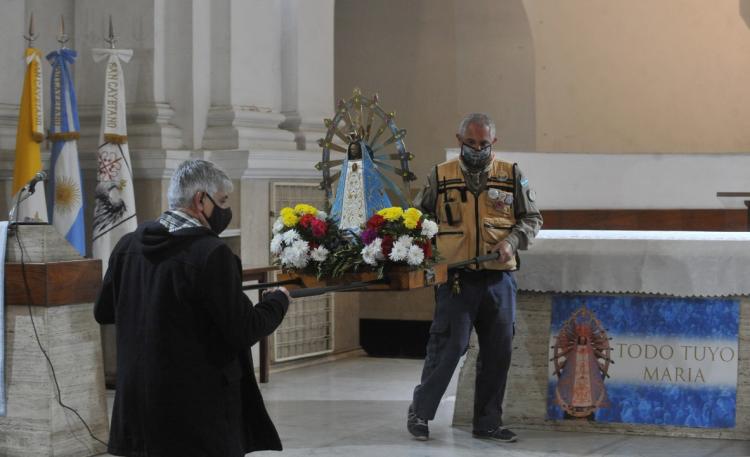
357 408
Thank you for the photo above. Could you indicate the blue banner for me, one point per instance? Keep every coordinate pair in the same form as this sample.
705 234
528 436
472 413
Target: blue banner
644 360
65 201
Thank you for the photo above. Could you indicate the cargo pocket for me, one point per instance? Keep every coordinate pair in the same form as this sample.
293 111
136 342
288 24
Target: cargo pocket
450 244
440 326
494 230
450 213
439 336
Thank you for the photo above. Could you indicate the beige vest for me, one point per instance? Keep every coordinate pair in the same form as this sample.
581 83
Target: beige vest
471 226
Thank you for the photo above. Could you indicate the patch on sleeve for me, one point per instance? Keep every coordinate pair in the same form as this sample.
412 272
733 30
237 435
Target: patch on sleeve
531 194
525 182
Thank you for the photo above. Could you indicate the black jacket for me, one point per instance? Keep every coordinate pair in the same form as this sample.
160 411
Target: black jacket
185 381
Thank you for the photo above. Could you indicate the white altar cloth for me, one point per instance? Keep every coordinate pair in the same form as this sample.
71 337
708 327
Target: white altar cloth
684 264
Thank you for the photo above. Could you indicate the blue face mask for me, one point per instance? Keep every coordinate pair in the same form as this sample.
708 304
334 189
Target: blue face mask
476 159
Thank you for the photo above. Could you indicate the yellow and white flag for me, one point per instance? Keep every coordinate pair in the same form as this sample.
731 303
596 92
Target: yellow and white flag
29 135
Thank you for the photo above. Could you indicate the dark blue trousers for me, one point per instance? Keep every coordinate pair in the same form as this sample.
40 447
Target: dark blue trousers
487 301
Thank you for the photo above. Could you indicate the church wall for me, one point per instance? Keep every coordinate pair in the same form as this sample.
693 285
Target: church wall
573 76
641 76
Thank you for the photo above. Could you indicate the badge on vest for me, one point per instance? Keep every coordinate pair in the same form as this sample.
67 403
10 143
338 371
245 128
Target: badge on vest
499 200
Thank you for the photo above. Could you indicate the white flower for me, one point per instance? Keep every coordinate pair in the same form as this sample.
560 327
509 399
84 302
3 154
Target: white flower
290 236
278 226
373 252
369 259
415 256
400 248
319 254
287 257
297 255
276 244
429 228
302 247
321 215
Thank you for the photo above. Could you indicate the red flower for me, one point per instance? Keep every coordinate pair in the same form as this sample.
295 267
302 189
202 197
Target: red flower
427 248
319 228
306 220
375 222
387 245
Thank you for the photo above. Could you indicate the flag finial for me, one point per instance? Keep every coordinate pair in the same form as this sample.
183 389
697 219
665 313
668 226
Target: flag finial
62 38
31 37
112 39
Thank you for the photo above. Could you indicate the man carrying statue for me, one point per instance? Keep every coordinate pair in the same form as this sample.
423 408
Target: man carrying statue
483 205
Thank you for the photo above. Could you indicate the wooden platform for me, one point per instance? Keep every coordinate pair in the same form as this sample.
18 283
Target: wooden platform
398 278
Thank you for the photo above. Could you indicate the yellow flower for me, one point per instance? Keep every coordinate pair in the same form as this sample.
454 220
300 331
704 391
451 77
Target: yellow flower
290 219
411 218
391 214
303 209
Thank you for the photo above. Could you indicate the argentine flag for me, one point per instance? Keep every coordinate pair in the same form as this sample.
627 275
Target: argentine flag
65 201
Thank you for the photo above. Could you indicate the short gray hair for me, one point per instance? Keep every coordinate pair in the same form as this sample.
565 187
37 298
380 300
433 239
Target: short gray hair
476 118
193 176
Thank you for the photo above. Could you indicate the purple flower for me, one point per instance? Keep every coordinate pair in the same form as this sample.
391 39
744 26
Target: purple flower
368 236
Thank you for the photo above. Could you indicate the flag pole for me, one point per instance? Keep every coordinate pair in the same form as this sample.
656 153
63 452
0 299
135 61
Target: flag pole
32 36
111 40
20 198
62 37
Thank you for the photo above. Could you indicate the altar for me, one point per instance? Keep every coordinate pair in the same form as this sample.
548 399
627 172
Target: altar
689 291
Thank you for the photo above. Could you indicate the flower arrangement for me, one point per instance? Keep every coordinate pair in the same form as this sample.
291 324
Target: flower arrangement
306 241
303 239
398 236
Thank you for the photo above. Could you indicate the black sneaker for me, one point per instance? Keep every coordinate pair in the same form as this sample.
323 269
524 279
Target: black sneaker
417 426
500 434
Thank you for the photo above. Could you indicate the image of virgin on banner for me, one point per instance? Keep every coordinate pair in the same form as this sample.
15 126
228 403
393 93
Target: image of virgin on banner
644 360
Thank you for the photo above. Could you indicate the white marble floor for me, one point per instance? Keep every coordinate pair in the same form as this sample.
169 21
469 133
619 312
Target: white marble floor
357 407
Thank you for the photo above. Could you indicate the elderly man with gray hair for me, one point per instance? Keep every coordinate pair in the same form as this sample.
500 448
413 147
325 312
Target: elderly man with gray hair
185 380
483 205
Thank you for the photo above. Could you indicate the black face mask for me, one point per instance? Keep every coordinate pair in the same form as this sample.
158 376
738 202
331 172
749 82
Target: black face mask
220 217
476 159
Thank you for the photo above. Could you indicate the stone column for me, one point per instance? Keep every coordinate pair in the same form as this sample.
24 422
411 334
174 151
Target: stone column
307 69
246 77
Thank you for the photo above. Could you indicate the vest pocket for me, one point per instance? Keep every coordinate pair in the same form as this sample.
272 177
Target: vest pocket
450 232
494 230
450 244
451 212
501 204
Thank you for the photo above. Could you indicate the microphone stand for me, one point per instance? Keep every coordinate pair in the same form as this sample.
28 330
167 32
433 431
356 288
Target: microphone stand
13 222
